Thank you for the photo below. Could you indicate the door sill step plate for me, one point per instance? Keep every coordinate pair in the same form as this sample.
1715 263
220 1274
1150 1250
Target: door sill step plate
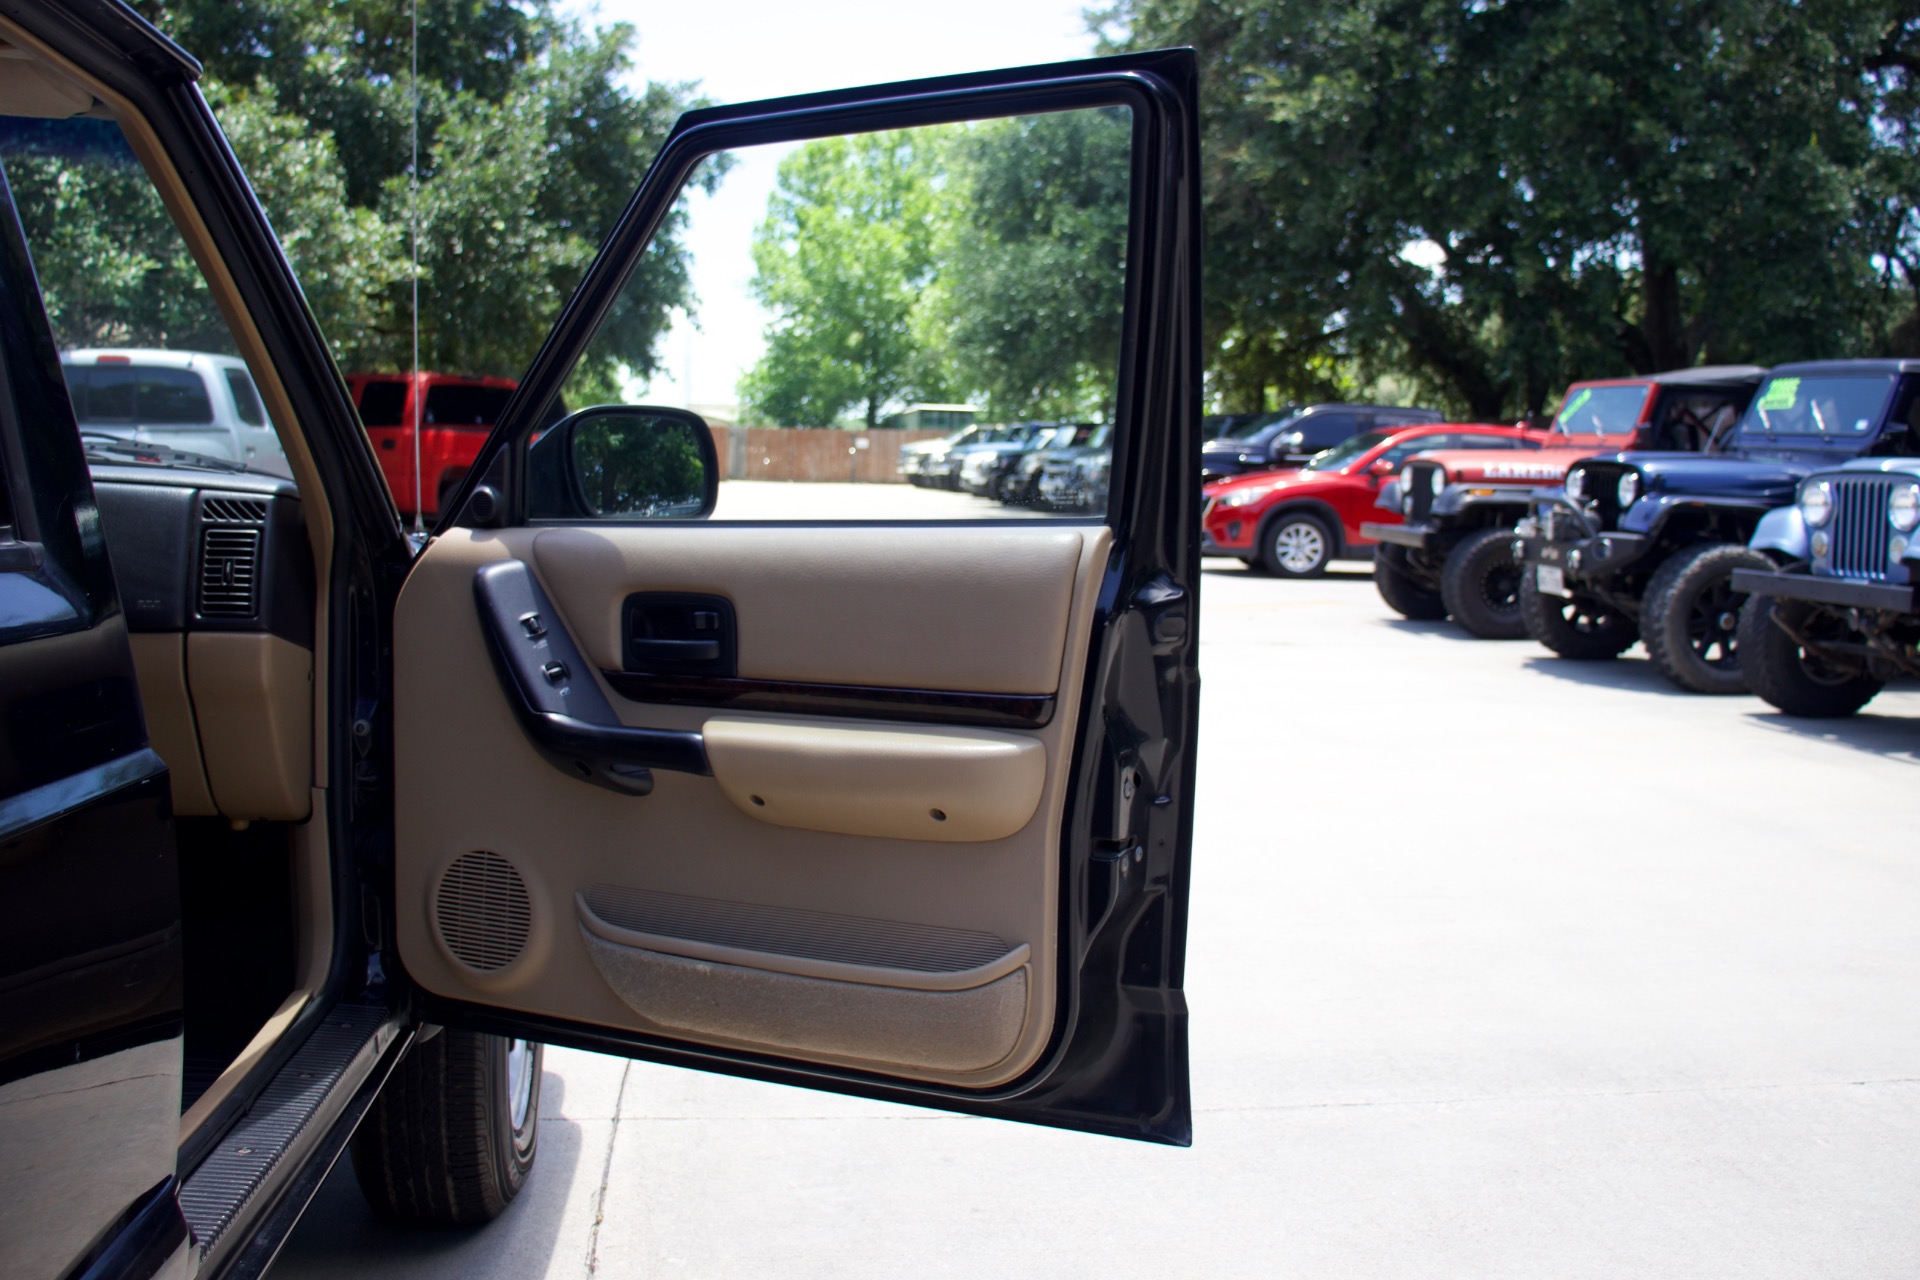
343 1048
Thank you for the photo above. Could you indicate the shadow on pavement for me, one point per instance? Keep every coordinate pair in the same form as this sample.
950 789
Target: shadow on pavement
1216 567
1890 737
1633 674
1442 629
339 1236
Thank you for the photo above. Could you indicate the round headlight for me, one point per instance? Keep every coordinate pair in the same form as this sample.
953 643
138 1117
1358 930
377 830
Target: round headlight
1816 503
1439 480
1406 479
1903 507
1629 490
1577 484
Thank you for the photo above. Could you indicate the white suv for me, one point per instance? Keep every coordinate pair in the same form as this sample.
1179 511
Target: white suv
187 400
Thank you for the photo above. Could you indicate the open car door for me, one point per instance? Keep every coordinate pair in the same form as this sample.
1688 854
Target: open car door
891 807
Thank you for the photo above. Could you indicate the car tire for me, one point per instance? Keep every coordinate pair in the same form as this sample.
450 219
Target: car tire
1690 620
1578 628
452 1136
1480 586
1780 670
1295 544
1402 591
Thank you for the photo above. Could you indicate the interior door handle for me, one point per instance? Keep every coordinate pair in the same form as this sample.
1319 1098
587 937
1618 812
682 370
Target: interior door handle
676 650
551 689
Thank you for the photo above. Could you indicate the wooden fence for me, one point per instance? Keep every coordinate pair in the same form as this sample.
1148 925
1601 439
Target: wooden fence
806 453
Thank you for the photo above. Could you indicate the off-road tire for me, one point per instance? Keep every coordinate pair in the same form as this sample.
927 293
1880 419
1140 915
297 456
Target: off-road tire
1581 629
1781 672
1298 530
1690 617
1480 585
1402 592
439 1147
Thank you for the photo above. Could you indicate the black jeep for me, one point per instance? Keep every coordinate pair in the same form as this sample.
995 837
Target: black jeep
1452 554
1645 545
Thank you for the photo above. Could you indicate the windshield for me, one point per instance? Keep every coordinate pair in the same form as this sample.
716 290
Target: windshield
114 449
1825 407
1602 411
1346 451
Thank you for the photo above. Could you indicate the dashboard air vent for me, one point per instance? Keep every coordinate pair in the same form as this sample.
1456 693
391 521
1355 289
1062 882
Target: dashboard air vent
228 510
229 571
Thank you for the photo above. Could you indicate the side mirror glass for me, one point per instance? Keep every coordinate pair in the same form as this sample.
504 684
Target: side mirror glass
623 462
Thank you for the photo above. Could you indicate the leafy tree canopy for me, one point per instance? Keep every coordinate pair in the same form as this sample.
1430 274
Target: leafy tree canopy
1492 198
529 148
981 262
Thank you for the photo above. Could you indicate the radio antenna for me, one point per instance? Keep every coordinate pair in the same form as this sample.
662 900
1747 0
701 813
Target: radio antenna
416 392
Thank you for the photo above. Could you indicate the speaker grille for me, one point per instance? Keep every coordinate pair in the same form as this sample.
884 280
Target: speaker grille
483 911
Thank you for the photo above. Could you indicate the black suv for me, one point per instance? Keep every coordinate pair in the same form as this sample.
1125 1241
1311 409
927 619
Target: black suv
1645 545
1289 439
310 838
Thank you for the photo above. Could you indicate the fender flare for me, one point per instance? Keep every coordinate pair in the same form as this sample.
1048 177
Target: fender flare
1783 533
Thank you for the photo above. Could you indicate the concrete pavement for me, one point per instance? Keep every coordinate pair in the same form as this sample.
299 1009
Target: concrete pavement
1499 966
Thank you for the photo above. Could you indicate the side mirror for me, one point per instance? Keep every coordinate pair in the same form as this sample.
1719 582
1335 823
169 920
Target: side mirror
623 462
1380 468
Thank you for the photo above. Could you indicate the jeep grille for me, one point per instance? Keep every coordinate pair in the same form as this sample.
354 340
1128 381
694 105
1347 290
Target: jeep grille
1420 476
1860 529
1603 492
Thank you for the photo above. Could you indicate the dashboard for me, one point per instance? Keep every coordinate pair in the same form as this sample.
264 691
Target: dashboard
216 579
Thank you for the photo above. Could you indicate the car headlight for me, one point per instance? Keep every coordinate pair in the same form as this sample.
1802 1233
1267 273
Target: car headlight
1577 484
1903 507
1241 497
1406 479
1629 489
1816 503
1437 480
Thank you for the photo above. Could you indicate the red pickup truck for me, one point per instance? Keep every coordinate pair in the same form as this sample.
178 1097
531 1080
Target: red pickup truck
456 415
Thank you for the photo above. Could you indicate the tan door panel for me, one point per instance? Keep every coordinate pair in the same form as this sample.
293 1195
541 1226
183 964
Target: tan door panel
981 610
950 785
524 888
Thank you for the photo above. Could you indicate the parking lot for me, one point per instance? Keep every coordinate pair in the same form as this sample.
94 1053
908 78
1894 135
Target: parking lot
1499 966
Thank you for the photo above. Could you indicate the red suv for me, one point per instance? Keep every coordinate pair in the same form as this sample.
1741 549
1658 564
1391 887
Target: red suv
456 417
1293 523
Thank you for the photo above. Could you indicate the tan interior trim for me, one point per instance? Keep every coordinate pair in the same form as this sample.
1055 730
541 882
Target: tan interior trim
253 699
467 779
246 336
160 666
805 966
312 898
952 1031
889 621
940 784
263 1039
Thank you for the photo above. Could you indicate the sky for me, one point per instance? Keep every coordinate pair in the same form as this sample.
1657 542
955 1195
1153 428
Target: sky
744 50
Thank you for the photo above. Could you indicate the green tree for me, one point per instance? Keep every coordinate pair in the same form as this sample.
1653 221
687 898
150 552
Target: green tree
1586 185
1032 264
845 252
529 148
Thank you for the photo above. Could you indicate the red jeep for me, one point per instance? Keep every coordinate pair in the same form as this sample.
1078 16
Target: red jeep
1451 552
456 416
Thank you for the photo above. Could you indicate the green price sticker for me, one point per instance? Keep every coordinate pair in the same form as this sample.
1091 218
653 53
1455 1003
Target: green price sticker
1781 393
1573 405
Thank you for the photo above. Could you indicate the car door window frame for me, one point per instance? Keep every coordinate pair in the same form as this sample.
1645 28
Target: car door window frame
702 134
